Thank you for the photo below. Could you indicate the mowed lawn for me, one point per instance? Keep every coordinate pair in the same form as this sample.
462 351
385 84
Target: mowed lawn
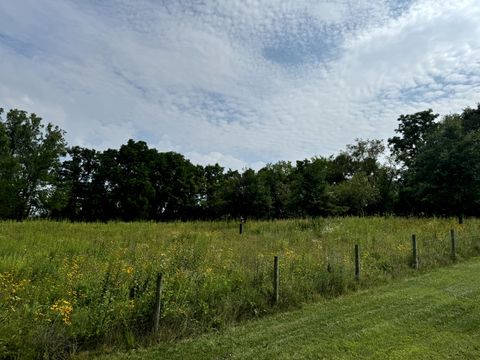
435 315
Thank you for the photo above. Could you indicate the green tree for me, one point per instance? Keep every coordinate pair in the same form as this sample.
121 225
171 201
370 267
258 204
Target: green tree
212 200
233 207
135 192
471 119
177 185
413 130
359 182
253 195
355 195
104 196
30 159
445 177
310 196
8 169
77 175
277 181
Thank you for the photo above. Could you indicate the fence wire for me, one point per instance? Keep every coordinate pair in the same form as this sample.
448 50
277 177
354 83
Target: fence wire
126 318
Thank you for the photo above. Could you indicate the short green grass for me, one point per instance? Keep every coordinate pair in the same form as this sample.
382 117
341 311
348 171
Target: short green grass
432 316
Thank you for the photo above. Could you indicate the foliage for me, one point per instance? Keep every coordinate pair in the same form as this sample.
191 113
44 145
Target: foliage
452 184
471 119
444 176
276 178
29 158
435 172
309 188
361 183
413 130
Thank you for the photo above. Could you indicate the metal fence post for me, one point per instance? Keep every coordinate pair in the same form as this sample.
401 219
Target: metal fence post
158 303
276 281
357 262
454 244
414 252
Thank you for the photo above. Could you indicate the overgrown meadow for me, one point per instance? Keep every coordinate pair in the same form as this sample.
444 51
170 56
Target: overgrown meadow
68 287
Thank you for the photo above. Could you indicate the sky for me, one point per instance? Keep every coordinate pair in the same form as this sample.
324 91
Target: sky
241 83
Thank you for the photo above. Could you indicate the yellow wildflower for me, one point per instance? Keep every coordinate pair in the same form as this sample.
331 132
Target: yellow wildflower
129 270
63 308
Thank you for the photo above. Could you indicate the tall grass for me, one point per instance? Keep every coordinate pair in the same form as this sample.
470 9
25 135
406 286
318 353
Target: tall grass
71 286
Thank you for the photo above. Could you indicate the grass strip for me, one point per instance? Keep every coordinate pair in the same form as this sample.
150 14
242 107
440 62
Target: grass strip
435 315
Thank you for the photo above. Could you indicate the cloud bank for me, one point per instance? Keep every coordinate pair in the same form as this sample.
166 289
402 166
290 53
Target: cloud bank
242 83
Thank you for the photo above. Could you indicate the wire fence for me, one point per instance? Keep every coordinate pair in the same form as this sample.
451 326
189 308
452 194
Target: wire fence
156 308
425 253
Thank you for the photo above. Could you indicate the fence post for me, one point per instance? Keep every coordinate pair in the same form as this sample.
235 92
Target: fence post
357 262
158 303
414 252
454 244
276 281
240 228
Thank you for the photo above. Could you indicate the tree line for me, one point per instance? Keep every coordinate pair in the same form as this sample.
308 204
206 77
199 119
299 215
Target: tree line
431 167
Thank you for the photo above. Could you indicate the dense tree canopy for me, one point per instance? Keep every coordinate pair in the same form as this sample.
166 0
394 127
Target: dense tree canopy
444 177
413 130
435 170
29 159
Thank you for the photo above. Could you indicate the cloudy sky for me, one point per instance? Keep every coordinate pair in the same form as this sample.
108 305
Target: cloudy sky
238 82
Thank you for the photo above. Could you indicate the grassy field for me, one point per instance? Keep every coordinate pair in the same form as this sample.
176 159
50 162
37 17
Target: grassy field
432 316
68 287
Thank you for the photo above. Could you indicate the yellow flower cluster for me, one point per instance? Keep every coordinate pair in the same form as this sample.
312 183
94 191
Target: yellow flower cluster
129 269
10 288
289 253
63 308
402 248
74 270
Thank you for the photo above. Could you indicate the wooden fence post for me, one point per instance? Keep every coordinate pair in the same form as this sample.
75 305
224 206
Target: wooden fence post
158 303
414 252
276 281
357 262
240 230
454 244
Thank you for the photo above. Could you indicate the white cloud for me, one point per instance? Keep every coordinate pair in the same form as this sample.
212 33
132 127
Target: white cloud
239 83
229 162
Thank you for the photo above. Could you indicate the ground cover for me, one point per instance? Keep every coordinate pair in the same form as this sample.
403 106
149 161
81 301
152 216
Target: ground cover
68 287
432 316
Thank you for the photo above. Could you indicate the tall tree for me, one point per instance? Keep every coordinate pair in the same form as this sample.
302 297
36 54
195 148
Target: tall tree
231 194
104 197
277 180
355 195
211 194
413 130
361 183
9 200
30 156
77 175
253 195
177 186
471 119
309 188
135 192
445 177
